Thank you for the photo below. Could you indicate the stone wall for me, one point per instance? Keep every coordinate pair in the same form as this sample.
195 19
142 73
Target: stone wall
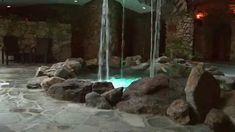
232 55
180 27
28 31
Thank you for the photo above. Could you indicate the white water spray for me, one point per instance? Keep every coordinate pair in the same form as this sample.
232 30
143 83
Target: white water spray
103 55
155 43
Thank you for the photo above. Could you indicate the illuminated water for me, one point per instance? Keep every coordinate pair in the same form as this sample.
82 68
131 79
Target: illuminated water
122 82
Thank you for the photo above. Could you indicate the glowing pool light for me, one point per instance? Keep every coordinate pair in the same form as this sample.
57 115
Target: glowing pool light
122 82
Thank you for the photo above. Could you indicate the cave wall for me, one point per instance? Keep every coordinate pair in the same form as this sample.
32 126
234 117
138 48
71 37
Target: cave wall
28 32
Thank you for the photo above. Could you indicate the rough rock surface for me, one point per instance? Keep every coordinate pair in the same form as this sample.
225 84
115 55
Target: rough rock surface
179 111
155 99
226 83
94 99
202 92
41 71
219 121
113 96
71 90
35 82
102 87
46 83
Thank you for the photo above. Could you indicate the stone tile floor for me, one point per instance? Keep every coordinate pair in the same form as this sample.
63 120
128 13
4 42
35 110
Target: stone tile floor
23 110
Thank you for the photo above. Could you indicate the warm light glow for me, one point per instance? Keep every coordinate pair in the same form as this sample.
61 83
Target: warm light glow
200 15
8 6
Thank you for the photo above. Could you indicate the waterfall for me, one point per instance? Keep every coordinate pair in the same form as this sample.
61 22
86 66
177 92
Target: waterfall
103 54
155 42
123 38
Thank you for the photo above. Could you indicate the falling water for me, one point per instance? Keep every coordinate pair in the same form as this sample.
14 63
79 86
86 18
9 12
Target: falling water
123 38
155 43
103 55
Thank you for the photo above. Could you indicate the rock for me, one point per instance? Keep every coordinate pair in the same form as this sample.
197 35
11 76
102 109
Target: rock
92 62
226 83
113 96
202 92
41 71
155 84
219 121
154 100
65 72
75 64
71 90
227 98
35 82
94 99
214 71
163 59
46 83
102 87
115 61
179 60
179 111
133 60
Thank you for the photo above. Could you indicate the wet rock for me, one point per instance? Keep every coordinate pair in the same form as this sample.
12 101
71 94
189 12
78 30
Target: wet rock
227 98
133 60
219 121
113 96
202 92
35 82
102 87
71 90
179 111
226 83
41 71
214 71
163 59
95 100
46 83
155 99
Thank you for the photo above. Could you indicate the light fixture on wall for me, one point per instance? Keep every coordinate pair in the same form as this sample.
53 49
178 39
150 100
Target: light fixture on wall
200 15
8 6
76 1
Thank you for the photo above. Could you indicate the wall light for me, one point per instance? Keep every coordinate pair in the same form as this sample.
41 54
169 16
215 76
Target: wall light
8 6
201 15
144 8
75 1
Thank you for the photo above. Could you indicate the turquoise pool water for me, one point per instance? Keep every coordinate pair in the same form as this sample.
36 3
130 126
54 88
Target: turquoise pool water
122 82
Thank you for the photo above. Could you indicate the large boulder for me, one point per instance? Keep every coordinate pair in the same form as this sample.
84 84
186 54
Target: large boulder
219 121
68 69
95 100
179 111
150 95
202 92
113 96
71 90
35 82
102 87
46 83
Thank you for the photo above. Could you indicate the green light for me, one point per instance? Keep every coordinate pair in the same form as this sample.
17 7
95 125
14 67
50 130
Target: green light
122 82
